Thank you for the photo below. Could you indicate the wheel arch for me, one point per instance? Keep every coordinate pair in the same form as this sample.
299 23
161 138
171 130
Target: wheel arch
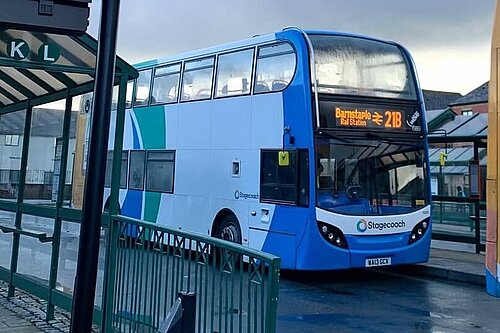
223 213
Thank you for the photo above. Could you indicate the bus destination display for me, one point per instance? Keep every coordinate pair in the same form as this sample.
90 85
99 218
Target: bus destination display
367 116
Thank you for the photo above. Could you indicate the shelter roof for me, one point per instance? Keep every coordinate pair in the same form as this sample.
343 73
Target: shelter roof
462 127
41 67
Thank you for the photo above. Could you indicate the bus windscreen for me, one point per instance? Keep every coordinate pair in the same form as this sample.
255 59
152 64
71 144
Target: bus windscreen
361 67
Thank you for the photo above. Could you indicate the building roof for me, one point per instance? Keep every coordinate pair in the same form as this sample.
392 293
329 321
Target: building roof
439 99
478 95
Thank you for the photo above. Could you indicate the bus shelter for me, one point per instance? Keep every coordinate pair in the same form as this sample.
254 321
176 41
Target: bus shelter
46 82
457 157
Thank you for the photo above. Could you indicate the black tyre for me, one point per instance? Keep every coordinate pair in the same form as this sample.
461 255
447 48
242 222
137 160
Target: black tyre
229 229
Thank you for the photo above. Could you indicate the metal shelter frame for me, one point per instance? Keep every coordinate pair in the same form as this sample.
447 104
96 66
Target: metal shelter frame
478 138
29 79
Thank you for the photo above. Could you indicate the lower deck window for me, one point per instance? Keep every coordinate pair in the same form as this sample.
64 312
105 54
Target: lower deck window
123 171
160 171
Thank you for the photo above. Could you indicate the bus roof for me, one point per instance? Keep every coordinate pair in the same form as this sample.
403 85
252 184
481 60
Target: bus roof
259 39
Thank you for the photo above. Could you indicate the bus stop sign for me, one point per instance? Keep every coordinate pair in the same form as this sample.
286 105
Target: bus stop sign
65 17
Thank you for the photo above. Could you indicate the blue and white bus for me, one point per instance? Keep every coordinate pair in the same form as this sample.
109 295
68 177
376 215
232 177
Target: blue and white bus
310 145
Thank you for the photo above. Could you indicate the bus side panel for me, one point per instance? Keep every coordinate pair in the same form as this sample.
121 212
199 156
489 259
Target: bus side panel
194 130
279 244
286 232
315 253
166 210
191 213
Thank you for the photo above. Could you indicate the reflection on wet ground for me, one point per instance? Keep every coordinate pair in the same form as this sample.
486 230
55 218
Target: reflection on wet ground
371 301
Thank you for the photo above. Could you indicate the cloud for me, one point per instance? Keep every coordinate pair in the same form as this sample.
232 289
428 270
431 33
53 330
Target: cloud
156 28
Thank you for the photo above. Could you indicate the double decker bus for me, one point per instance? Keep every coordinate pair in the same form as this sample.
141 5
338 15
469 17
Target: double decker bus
310 145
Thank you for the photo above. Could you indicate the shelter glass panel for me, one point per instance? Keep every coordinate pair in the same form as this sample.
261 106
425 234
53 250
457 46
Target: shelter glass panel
6 218
44 156
66 273
77 152
11 124
34 257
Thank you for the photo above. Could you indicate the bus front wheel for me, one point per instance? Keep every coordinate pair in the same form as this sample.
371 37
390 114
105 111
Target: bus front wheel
229 229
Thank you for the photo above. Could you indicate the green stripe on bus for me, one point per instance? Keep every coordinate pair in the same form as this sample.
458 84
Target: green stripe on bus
152 124
152 206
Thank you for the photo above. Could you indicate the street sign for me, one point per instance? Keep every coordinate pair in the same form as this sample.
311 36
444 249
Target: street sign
19 49
65 17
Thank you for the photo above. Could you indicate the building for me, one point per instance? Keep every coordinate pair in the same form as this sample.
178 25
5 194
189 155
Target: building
474 102
437 100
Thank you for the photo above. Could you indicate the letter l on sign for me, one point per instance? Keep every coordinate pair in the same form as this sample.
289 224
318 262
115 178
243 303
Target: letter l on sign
46 54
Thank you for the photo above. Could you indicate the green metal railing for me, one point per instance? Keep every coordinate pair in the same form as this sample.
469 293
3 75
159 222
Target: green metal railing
459 219
236 287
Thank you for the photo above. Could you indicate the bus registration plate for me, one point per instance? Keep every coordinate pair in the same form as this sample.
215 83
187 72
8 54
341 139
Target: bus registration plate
378 262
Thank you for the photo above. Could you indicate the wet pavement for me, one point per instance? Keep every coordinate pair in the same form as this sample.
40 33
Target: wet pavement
416 298
379 302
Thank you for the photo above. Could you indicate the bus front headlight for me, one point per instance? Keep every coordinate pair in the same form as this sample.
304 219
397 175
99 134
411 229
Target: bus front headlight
418 231
332 235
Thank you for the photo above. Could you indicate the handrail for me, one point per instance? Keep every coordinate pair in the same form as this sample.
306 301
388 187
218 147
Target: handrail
149 264
199 238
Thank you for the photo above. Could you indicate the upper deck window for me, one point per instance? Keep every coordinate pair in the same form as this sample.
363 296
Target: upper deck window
142 88
166 84
234 73
197 79
362 67
275 67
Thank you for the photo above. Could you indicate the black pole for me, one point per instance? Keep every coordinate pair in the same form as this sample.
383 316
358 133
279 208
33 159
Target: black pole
88 253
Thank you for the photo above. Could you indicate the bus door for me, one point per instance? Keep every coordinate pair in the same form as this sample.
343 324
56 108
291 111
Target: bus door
284 188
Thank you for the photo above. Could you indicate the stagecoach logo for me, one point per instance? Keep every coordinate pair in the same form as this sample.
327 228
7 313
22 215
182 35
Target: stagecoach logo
362 225
240 195
413 121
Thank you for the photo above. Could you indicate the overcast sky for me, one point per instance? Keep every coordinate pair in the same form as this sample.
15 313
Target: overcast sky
449 39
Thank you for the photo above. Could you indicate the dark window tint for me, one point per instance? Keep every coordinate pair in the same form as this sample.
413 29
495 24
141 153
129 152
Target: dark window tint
285 183
109 167
123 171
136 169
303 177
160 171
